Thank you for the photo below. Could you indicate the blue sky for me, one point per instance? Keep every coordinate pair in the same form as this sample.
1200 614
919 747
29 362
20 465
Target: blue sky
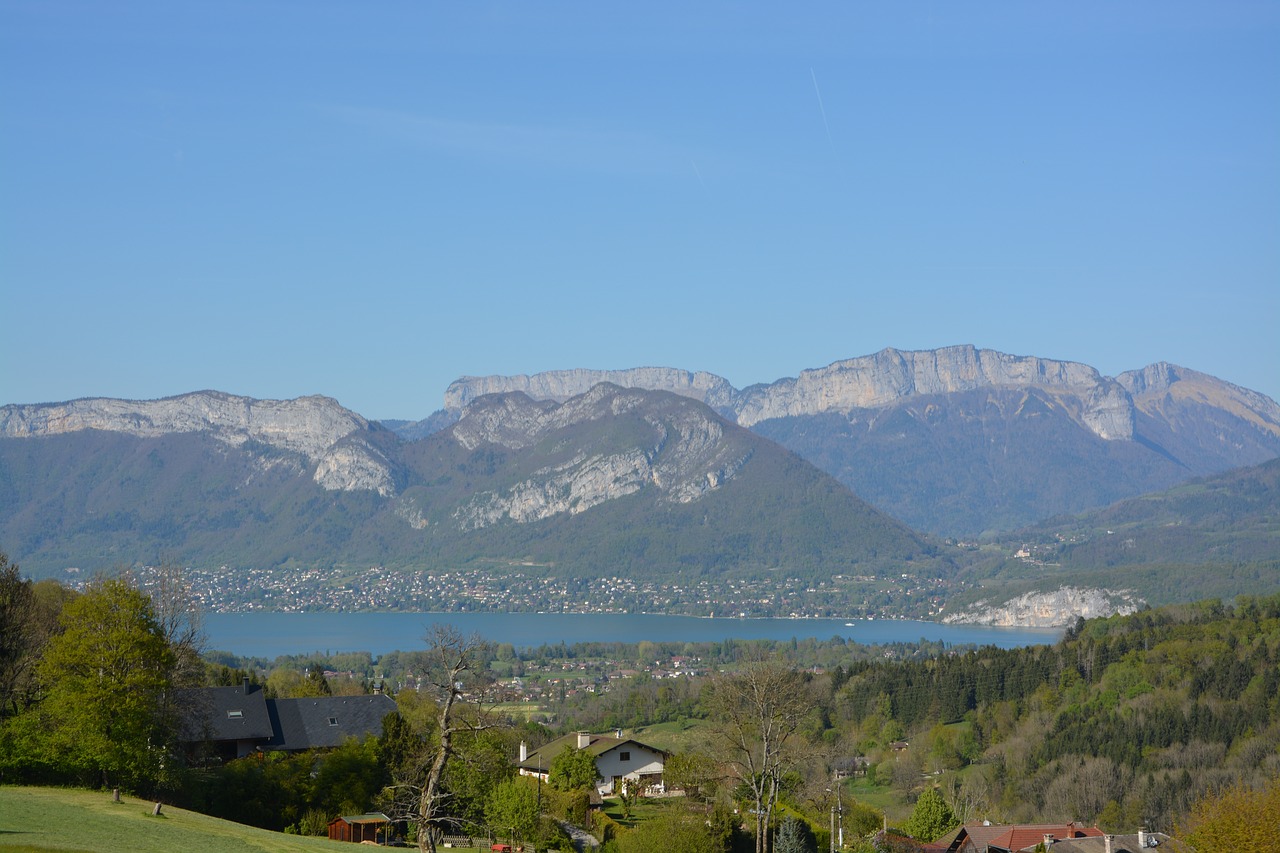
369 200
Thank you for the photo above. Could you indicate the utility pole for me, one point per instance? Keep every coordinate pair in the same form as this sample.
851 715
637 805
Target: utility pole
835 776
840 809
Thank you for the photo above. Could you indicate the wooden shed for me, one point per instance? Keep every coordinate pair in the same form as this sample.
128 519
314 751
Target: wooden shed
358 828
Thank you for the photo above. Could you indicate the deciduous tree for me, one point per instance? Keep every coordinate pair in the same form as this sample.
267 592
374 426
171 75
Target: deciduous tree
513 807
572 769
105 678
757 711
456 674
1239 819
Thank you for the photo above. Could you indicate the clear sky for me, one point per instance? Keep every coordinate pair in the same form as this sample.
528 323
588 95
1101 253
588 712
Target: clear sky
368 200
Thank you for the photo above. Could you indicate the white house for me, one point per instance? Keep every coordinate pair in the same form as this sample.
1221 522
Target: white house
617 759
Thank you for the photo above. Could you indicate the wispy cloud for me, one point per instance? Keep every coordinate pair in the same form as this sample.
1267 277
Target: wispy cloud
520 145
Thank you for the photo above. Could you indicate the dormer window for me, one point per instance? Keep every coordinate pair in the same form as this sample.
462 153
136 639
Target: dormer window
333 721
235 715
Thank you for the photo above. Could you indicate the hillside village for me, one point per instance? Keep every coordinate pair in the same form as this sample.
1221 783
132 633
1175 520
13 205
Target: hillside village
1162 726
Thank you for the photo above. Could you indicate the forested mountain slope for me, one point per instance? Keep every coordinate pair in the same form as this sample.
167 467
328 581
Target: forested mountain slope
1215 536
1126 721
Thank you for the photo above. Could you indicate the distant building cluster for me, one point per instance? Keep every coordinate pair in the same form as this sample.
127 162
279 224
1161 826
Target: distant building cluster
229 590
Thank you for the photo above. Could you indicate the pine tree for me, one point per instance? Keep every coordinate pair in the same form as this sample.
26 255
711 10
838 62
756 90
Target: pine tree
793 837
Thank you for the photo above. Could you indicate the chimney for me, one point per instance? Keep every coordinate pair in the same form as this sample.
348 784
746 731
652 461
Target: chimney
584 741
1142 836
524 752
1107 840
617 733
1048 840
246 685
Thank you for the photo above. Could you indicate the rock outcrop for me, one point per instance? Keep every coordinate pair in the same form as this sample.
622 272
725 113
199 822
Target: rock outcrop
1046 609
682 453
868 382
891 375
308 426
1155 387
560 385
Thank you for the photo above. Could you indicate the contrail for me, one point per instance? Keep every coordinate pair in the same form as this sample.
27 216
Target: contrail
822 109
698 172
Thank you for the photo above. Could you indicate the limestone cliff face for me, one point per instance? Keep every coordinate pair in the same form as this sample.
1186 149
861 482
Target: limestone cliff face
882 379
1047 609
1158 387
891 375
560 385
355 465
308 426
678 449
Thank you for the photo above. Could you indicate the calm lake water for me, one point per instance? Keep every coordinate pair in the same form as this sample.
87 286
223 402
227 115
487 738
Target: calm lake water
268 635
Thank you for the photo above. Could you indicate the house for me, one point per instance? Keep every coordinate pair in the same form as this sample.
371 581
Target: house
325 721
1135 843
233 721
618 759
989 838
359 828
237 721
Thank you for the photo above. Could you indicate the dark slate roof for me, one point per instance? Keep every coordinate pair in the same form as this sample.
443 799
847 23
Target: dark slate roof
326 721
224 714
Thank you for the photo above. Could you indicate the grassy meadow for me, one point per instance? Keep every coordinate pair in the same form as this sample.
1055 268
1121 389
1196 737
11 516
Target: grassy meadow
66 819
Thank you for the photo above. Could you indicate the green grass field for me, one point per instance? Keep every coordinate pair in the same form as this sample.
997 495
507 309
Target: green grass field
58 819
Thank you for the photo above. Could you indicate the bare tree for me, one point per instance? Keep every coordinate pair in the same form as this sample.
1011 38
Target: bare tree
758 710
181 620
456 670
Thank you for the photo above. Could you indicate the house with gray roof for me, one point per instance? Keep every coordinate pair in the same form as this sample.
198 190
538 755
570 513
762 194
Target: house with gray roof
236 721
233 721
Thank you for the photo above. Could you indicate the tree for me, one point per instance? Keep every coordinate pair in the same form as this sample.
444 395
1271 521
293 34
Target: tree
15 609
456 669
931 818
571 769
672 832
513 806
795 836
691 772
105 678
758 711
349 777
181 621
1239 819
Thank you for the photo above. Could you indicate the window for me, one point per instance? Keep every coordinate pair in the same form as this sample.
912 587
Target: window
333 721
624 756
235 715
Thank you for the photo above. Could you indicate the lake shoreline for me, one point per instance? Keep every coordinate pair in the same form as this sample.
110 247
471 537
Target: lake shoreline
269 634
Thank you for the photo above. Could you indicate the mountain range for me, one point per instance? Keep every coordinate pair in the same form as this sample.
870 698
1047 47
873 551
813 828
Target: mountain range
651 472
961 441
613 481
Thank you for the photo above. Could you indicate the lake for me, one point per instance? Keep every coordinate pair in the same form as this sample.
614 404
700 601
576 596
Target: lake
269 634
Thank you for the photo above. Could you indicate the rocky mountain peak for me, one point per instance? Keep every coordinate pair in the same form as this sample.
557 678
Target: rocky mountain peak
309 426
867 382
891 375
624 440
560 385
